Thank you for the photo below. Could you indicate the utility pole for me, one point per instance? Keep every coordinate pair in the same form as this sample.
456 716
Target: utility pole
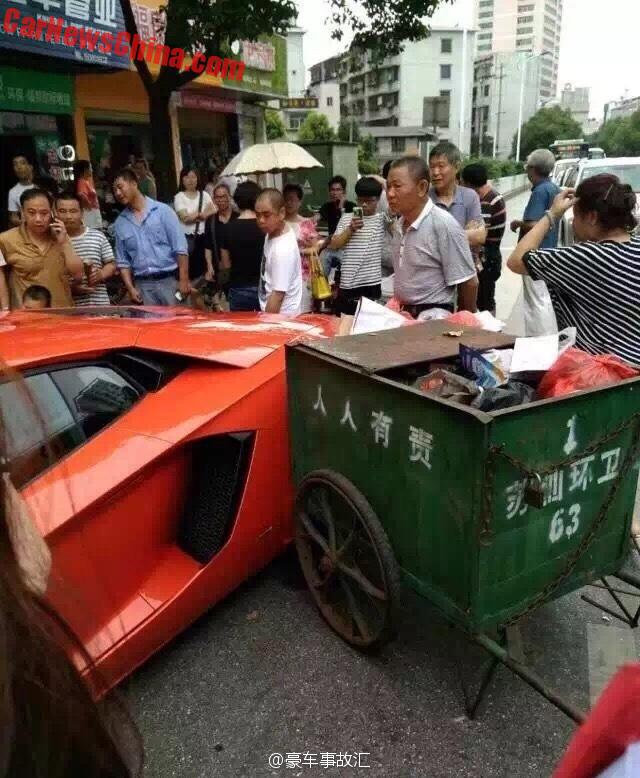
496 140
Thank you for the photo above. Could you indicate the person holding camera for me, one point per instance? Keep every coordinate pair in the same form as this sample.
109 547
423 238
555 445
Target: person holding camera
38 252
360 235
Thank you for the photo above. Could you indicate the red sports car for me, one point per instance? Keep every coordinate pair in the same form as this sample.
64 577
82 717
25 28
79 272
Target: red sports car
152 449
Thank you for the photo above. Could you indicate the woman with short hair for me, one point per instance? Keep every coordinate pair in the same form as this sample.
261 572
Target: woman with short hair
241 250
594 284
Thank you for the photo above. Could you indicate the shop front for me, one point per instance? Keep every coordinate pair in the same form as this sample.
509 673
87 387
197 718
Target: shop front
111 125
35 120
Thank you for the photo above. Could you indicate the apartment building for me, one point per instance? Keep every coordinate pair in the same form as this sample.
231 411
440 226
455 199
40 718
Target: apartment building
497 79
428 85
529 27
576 100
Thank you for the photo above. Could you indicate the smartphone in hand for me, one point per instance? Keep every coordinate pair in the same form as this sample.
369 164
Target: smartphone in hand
358 213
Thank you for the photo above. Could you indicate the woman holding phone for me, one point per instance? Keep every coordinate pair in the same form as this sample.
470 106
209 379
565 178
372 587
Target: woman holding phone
37 252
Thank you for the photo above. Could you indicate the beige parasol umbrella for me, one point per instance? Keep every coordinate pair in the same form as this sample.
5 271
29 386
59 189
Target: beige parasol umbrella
270 158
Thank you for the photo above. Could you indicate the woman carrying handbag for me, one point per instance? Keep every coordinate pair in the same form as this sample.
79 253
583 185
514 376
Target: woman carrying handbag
194 206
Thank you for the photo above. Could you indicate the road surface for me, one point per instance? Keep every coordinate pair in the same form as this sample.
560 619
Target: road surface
261 674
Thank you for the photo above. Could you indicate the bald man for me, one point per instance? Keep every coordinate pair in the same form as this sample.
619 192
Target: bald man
280 289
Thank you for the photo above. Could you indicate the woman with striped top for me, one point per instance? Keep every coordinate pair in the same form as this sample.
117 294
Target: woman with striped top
595 284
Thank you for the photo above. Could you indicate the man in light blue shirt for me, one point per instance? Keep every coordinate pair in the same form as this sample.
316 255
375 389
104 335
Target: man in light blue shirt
540 165
459 201
150 246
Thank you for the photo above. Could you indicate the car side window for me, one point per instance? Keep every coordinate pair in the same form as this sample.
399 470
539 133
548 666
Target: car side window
96 394
571 178
39 428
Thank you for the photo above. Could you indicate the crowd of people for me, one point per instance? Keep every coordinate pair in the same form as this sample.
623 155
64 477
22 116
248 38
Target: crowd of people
434 225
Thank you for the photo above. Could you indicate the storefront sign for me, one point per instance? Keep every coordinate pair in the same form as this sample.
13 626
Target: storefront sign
264 80
298 102
150 22
259 55
95 17
29 90
204 102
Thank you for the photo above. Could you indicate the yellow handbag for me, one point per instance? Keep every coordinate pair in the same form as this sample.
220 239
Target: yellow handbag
320 288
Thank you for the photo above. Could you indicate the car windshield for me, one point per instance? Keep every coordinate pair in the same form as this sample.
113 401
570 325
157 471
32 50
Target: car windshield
113 312
628 174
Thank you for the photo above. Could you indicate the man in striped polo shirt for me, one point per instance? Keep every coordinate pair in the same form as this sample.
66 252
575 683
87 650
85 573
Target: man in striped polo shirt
93 249
361 238
494 213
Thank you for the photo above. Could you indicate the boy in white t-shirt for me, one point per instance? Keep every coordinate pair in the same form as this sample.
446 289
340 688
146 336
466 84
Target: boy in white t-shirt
280 289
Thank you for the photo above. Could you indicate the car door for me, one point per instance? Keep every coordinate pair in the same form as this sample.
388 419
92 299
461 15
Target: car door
94 488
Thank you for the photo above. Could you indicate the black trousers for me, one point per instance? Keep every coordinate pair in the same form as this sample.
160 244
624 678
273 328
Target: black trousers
487 278
348 299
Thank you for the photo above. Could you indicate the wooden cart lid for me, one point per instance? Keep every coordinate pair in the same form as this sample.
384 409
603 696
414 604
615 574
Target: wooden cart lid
404 346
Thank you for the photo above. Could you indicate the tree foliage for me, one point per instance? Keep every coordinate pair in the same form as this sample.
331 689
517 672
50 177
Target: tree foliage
368 156
496 168
620 137
348 131
274 125
381 26
316 127
545 127
211 27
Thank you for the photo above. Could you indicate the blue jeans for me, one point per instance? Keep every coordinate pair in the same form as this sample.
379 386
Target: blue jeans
244 298
157 291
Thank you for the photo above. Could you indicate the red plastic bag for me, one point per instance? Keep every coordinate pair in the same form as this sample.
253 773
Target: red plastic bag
465 318
576 370
613 724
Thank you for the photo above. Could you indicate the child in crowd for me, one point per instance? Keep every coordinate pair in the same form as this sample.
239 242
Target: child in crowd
36 297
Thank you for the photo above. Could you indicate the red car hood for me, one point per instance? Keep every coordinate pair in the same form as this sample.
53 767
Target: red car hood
236 339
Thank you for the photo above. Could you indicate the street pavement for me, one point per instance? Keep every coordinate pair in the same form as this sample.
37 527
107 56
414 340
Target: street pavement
261 674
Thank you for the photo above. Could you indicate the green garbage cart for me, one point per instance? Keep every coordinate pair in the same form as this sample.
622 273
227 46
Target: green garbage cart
487 515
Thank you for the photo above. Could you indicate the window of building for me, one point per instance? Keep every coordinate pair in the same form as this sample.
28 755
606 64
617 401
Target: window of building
486 4
523 9
445 93
329 101
484 36
525 19
485 47
445 71
295 122
485 15
398 144
524 31
486 25
485 91
446 45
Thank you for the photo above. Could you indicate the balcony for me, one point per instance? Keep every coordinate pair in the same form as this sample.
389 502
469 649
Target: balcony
389 113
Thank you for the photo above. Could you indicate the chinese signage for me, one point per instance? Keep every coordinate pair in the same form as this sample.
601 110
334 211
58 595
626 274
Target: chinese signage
54 27
260 79
28 90
259 55
204 102
150 22
298 102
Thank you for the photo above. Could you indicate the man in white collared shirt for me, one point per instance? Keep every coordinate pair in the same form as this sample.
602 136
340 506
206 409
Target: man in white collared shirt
431 255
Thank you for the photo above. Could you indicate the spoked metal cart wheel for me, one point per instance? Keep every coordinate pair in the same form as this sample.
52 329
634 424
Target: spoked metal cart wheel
346 559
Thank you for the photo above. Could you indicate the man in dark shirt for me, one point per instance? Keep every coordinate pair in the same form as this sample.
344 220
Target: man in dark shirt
494 213
332 211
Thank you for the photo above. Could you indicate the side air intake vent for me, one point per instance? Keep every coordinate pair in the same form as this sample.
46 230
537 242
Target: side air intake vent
219 471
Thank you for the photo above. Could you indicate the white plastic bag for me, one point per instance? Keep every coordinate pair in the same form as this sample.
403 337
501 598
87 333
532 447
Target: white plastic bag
539 316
